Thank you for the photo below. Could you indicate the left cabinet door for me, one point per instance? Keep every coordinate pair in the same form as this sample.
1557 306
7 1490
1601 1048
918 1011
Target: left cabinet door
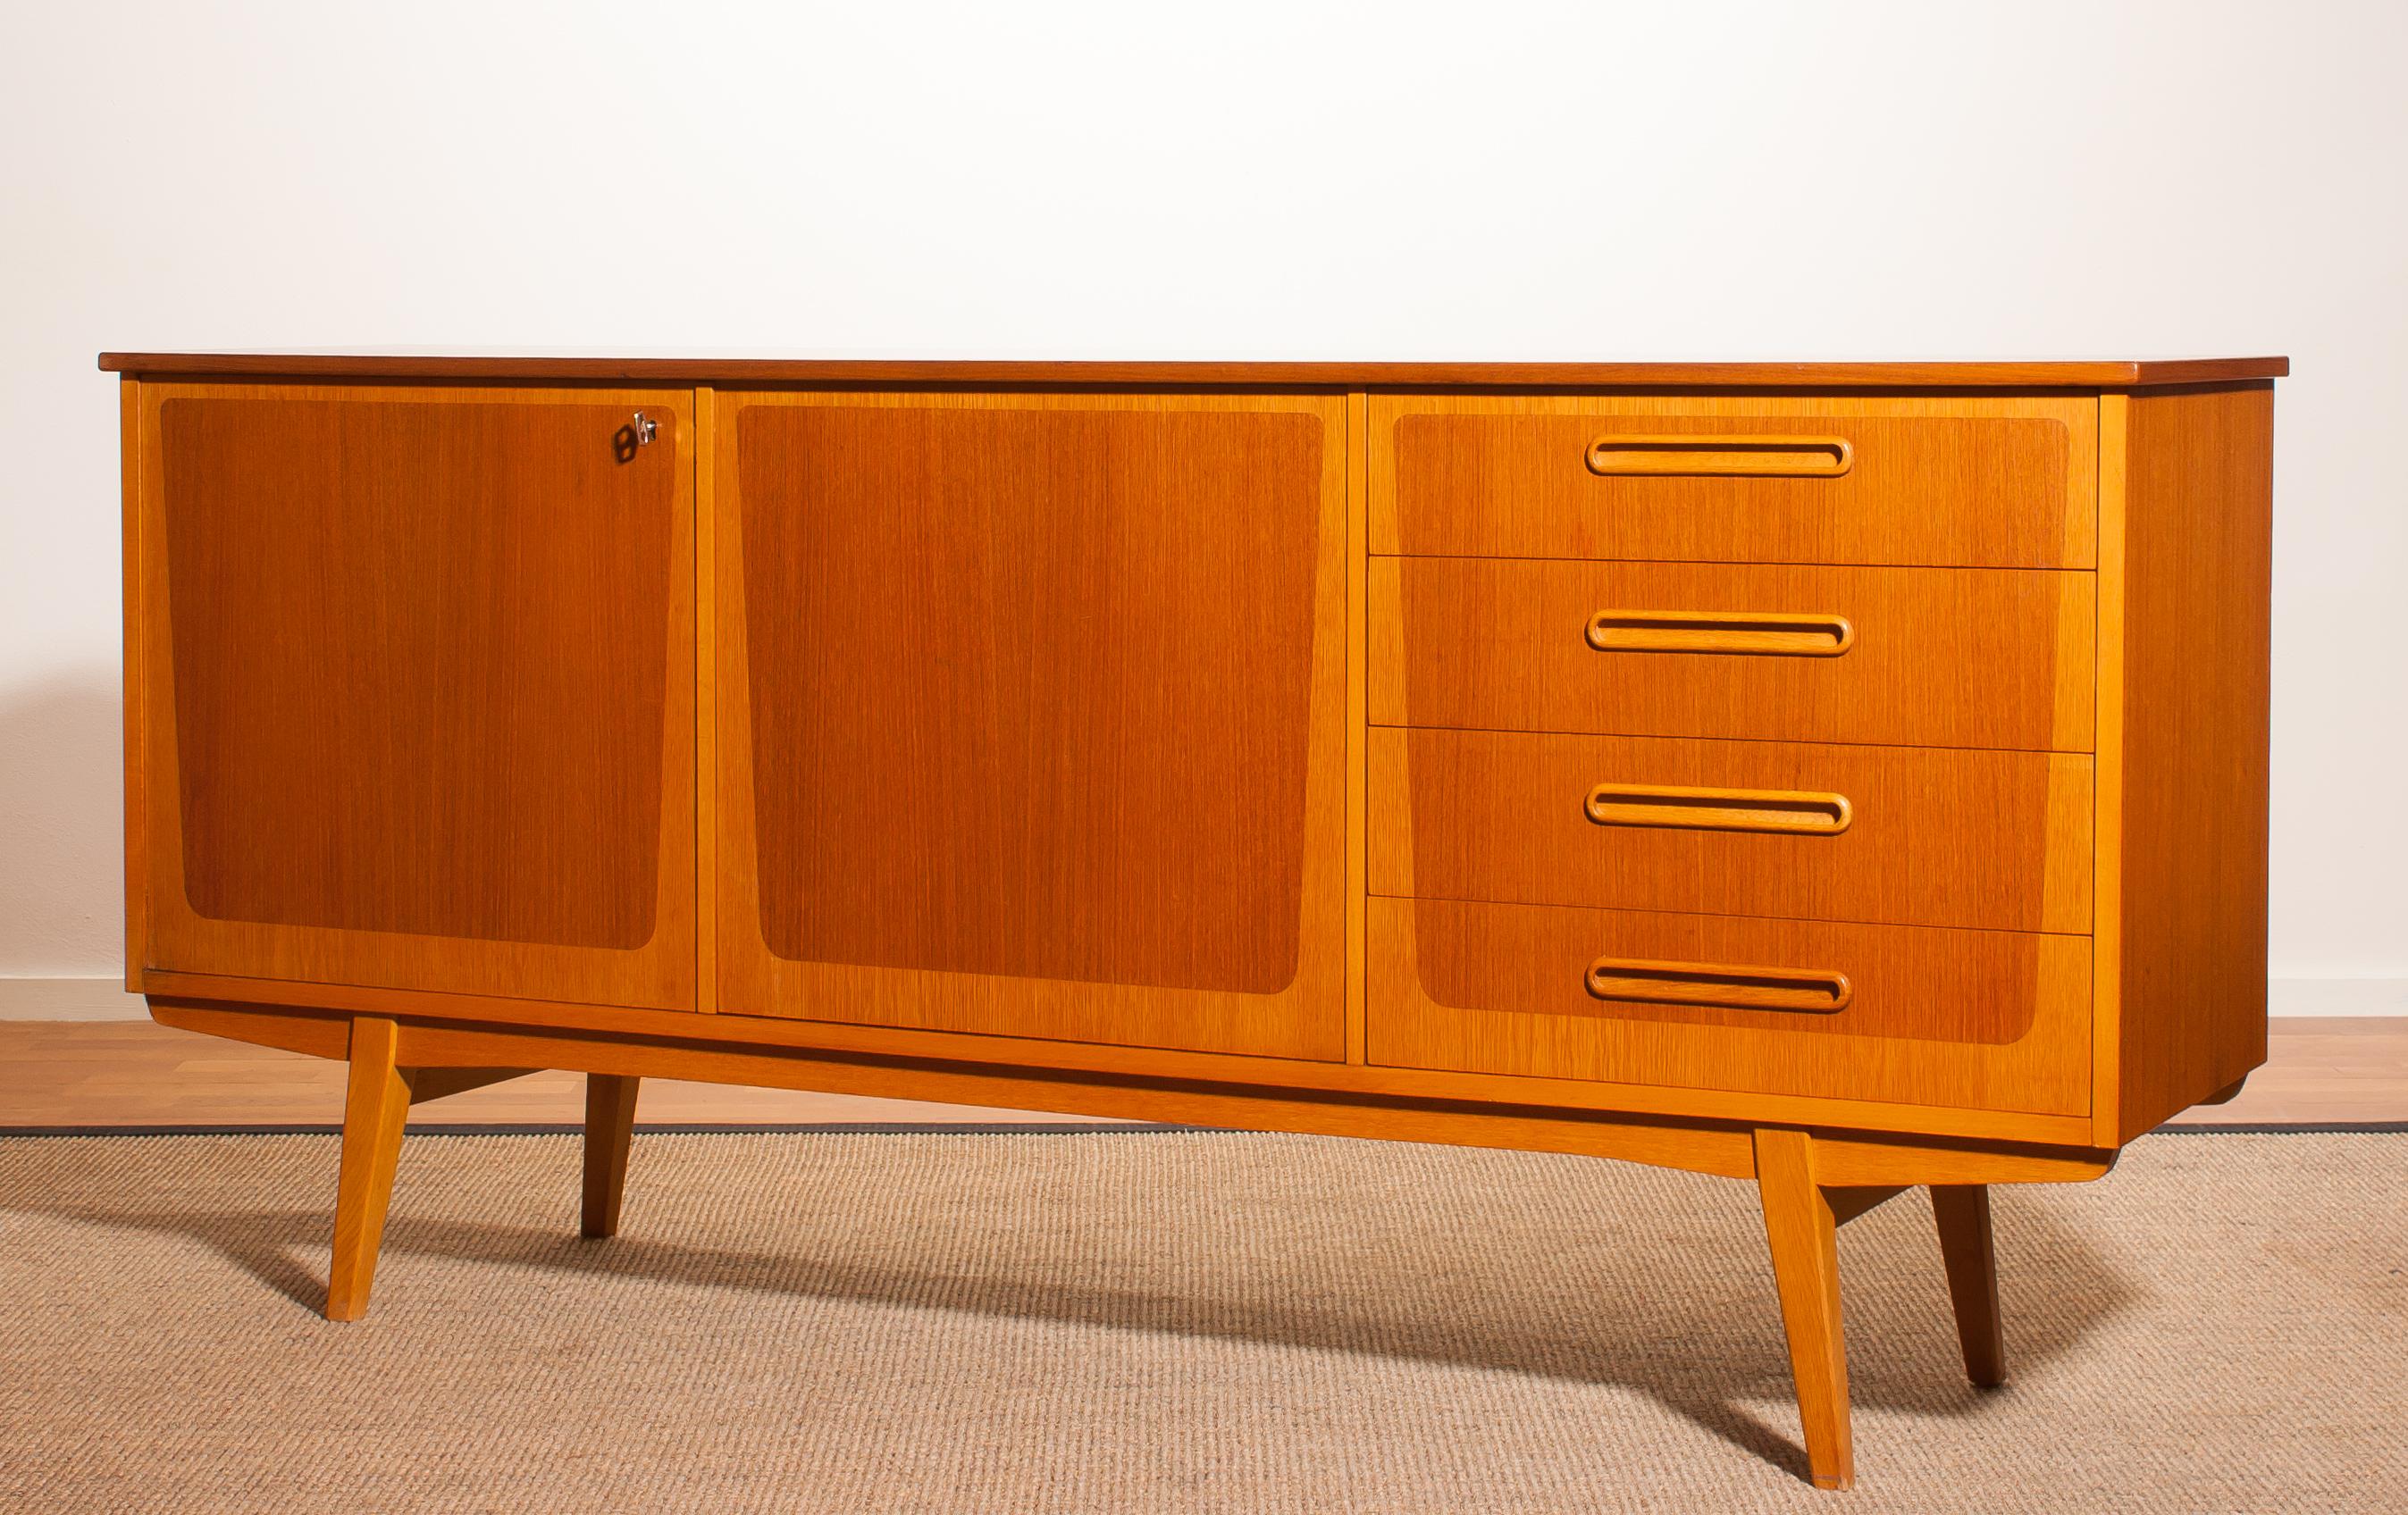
415 683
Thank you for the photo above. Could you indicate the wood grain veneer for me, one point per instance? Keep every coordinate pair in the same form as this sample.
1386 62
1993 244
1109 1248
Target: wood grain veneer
1953 481
1938 657
1042 711
374 1109
1938 836
1291 1076
134 697
1991 1020
1800 1223
1358 633
2106 373
418 700
2190 637
1846 777
1961 1214
1698 1146
609 1127
130 1075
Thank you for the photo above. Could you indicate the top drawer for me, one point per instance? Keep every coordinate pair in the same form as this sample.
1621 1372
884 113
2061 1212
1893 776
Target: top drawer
1966 482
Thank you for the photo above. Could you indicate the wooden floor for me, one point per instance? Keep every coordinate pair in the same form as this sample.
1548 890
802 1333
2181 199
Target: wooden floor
136 1073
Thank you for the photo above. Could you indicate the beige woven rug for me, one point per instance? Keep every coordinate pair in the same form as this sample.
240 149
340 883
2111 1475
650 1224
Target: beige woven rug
1164 1322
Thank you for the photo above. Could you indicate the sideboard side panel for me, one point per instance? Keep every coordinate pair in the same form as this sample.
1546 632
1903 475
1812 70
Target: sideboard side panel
2198 512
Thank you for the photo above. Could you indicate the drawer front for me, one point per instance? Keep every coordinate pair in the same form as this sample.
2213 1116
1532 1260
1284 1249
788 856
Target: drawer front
1984 1020
1904 835
2007 483
1942 657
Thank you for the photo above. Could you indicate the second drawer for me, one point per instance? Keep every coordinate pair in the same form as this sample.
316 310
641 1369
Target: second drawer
1943 657
1901 835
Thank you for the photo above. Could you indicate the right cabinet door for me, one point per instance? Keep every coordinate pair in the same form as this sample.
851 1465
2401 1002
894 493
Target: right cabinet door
1737 745
1029 715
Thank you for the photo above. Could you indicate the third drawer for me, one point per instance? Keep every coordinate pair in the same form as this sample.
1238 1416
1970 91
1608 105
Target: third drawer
1943 657
1932 836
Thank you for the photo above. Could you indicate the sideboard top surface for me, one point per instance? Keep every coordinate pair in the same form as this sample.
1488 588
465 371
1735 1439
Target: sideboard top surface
2117 373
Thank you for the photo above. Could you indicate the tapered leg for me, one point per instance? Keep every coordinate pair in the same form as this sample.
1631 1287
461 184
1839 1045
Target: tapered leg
1963 1213
374 1110
610 1128
1798 1223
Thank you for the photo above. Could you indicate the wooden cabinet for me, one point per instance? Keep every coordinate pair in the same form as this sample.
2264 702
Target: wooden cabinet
417 704
1838 776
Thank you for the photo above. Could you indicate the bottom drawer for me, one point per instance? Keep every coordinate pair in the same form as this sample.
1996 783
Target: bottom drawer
1911 1015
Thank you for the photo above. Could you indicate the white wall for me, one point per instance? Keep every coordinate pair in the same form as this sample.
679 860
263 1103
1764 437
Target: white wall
1217 179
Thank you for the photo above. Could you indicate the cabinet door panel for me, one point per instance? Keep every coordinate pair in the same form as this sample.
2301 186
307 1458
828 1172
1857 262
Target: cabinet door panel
1030 715
422 688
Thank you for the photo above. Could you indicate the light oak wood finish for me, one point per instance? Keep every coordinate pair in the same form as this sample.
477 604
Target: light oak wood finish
1802 1227
124 1075
1934 657
410 712
2091 374
1029 668
1946 1020
176 997
1358 660
146 1074
705 706
1708 808
374 1110
134 702
1962 1214
1954 482
1924 837
1048 737
2188 641
1844 1162
610 1129
1735 630
1719 1148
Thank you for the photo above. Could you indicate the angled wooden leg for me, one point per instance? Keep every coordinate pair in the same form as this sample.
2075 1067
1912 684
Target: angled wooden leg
374 1110
1962 1211
1801 1227
610 1129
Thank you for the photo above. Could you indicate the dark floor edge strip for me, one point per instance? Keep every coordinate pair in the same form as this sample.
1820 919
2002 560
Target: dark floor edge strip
2263 1128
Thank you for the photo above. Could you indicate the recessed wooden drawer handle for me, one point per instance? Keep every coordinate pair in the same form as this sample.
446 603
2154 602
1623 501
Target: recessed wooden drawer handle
1810 991
1719 809
1710 631
1768 457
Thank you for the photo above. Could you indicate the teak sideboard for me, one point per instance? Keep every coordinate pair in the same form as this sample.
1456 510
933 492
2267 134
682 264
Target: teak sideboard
1841 777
